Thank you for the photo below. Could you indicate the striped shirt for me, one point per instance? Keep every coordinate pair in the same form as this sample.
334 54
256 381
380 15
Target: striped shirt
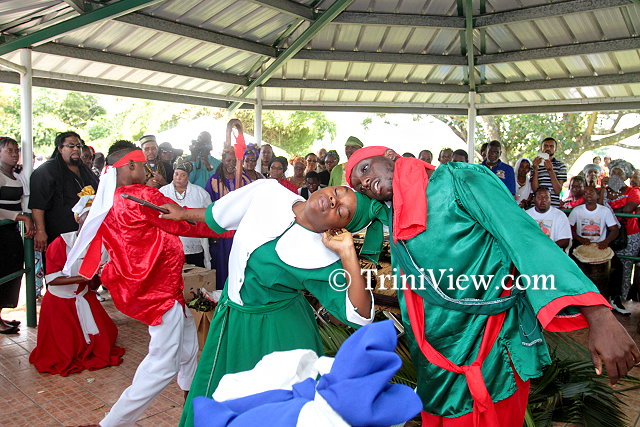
544 180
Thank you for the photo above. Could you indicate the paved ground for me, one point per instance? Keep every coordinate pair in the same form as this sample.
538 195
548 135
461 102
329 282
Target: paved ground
29 398
32 399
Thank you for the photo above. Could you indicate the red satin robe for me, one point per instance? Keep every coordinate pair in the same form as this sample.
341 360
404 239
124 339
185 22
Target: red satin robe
144 272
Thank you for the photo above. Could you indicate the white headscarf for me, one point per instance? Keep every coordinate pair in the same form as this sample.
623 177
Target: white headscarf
523 192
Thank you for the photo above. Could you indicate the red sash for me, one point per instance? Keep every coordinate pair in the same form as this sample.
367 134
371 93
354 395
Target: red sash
484 412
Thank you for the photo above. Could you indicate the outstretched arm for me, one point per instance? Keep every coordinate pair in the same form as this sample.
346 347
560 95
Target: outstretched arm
176 213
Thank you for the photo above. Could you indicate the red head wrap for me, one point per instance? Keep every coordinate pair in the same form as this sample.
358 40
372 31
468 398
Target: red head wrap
135 155
361 154
409 183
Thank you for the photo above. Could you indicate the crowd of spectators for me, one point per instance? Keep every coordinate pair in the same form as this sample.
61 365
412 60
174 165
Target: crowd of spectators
197 178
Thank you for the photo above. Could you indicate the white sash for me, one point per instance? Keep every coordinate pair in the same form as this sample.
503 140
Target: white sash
87 322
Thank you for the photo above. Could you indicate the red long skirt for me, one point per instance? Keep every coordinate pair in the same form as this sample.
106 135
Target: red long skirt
510 410
61 347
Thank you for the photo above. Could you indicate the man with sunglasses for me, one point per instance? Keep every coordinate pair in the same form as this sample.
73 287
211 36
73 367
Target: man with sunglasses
54 189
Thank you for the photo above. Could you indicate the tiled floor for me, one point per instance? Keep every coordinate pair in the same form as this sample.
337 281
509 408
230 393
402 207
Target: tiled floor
28 398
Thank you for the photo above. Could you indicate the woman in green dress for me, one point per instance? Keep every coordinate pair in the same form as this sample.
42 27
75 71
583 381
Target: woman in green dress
283 245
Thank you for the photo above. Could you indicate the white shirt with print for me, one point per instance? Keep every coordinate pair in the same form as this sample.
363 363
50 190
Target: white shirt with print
593 224
554 223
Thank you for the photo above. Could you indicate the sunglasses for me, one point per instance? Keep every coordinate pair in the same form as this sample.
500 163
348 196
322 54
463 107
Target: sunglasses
72 146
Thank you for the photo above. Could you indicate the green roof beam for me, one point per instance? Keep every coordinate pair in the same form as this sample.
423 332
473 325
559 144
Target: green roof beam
322 20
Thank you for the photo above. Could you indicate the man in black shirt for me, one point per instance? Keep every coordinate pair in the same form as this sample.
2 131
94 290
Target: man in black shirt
54 189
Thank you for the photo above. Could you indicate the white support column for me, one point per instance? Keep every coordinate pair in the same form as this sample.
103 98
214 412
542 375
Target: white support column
26 112
471 127
257 127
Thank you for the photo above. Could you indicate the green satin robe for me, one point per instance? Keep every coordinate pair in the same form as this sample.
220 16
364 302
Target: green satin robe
474 227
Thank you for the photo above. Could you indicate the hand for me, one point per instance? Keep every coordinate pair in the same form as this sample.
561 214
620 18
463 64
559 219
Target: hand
204 158
157 181
339 241
536 162
176 213
548 164
603 245
610 343
40 240
583 241
95 283
29 228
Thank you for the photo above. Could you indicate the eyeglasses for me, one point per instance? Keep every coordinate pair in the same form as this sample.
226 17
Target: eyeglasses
278 168
72 146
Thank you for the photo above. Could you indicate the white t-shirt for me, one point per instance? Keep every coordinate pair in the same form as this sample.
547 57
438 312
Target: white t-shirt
593 224
554 223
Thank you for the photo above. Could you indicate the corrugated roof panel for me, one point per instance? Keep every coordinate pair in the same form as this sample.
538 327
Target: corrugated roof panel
30 12
600 63
552 68
574 66
102 35
94 69
439 98
530 69
420 73
634 17
153 79
445 74
358 71
8 8
336 70
629 60
555 30
240 18
502 40
613 23
522 34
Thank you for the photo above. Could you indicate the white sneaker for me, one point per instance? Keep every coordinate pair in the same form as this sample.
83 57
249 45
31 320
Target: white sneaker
616 305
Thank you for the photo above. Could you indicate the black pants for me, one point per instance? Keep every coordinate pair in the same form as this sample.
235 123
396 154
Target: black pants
11 260
195 259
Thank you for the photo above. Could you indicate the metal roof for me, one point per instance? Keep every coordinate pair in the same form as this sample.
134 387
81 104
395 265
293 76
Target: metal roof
336 55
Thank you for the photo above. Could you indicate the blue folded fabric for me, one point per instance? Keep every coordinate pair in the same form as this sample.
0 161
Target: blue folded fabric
357 389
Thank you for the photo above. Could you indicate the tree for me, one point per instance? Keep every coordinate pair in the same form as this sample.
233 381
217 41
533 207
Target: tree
521 134
53 112
293 132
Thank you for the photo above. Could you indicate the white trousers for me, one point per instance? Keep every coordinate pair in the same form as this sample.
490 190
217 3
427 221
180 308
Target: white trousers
173 350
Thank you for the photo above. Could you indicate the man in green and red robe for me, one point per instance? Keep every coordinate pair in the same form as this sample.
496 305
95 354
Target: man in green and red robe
476 347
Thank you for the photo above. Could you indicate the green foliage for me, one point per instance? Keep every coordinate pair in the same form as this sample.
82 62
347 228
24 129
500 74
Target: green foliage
53 112
521 134
571 392
294 132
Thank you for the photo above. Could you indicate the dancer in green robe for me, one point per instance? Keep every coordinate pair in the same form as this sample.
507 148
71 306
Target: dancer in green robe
465 227
278 251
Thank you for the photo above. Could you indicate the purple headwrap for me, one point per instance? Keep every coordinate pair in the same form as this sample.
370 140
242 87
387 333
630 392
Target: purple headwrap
252 149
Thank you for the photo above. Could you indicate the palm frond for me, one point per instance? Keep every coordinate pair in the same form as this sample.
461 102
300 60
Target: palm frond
571 392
